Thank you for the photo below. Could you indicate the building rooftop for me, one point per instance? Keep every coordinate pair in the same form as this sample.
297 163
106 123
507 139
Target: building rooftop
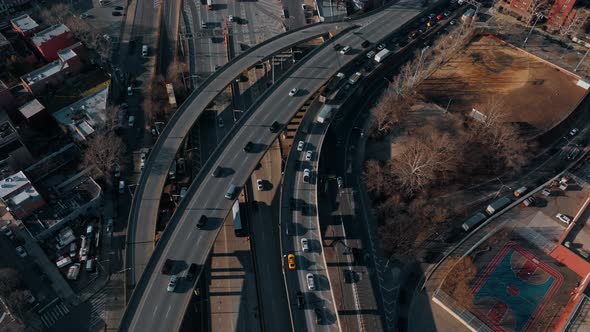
68 52
31 108
86 114
24 23
13 183
49 33
44 72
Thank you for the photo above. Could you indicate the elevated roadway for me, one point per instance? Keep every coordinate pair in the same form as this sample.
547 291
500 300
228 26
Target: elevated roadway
151 307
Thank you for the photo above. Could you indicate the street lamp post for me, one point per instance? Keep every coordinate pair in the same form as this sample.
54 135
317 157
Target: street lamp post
582 60
539 16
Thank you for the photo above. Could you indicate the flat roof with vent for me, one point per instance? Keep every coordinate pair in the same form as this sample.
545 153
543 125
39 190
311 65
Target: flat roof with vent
13 184
48 34
24 23
44 72
31 108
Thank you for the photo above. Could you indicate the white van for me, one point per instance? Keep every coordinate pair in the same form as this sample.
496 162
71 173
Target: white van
144 50
121 187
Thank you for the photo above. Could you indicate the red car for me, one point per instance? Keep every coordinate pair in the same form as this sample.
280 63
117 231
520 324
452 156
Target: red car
439 17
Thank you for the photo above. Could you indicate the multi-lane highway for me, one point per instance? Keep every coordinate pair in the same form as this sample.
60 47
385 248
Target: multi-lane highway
153 308
144 210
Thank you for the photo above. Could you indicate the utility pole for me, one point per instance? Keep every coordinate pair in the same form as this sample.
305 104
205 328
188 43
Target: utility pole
539 16
582 60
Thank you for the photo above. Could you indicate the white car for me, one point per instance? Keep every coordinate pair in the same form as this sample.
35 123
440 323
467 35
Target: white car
117 171
293 92
21 252
300 146
220 123
308 155
574 131
563 218
230 18
304 245
142 161
172 284
310 281
9 234
129 91
259 184
340 182
306 175
131 121
345 50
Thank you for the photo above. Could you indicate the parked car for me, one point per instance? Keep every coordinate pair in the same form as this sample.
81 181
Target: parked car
453 22
21 252
306 175
300 300
574 132
220 123
563 218
9 234
340 182
259 184
530 201
308 155
130 91
117 172
381 46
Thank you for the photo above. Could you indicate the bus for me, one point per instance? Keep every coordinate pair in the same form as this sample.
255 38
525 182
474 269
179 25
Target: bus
238 227
473 221
210 4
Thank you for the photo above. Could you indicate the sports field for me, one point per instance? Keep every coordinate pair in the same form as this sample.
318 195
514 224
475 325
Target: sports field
514 289
533 92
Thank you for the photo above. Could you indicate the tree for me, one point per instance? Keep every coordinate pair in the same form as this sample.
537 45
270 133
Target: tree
9 281
387 114
458 280
376 178
424 160
17 302
103 151
56 14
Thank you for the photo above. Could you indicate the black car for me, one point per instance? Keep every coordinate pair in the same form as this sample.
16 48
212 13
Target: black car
318 315
248 147
274 127
217 172
202 221
192 271
337 47
167 266
300 300
366 44
117 14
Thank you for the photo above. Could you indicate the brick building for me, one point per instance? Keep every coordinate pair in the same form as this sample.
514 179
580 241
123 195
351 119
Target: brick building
564 17
52 74
51 40
25 25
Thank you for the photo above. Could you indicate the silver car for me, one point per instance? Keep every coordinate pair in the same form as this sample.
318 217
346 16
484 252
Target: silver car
304 245
172 284
310 281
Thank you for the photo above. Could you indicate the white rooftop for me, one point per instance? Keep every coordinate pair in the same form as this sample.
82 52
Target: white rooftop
31 108
90 109
24 23
44 72
49 33
13 183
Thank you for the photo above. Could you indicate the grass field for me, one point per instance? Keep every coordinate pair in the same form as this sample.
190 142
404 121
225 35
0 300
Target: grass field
533 92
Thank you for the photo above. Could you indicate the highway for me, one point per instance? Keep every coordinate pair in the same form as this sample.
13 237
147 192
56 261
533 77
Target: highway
151 307
140 238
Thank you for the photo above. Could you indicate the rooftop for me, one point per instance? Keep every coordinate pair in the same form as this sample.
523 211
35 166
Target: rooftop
44 72
13 183
31 108
49 33
24 23
68 52
85 114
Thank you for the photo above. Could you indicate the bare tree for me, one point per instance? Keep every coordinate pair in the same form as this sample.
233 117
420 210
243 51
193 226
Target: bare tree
458 280
56 14
376 178
424 160
103 151
9 280
17 302
387 114
536 7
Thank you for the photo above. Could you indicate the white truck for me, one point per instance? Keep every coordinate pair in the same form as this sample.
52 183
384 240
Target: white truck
325 114
497 205
384 53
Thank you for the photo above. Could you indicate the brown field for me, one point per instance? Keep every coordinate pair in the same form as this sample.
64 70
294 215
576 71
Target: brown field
533 92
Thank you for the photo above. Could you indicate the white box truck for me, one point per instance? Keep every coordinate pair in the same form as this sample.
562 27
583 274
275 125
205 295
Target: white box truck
384 53
325 114
498 205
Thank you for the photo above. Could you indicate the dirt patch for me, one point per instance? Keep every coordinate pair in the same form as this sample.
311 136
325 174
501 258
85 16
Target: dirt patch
535 93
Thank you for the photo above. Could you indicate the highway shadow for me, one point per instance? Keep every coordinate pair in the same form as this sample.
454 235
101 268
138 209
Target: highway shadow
327 317
322 282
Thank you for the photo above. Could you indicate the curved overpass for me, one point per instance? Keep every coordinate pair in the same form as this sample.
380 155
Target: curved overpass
151 307
144 210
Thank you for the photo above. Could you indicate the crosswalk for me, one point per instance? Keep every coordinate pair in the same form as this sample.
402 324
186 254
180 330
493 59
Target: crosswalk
97 311
51 315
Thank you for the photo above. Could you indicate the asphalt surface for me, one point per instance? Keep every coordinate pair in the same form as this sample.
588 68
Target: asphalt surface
151 306
302 222
153 178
